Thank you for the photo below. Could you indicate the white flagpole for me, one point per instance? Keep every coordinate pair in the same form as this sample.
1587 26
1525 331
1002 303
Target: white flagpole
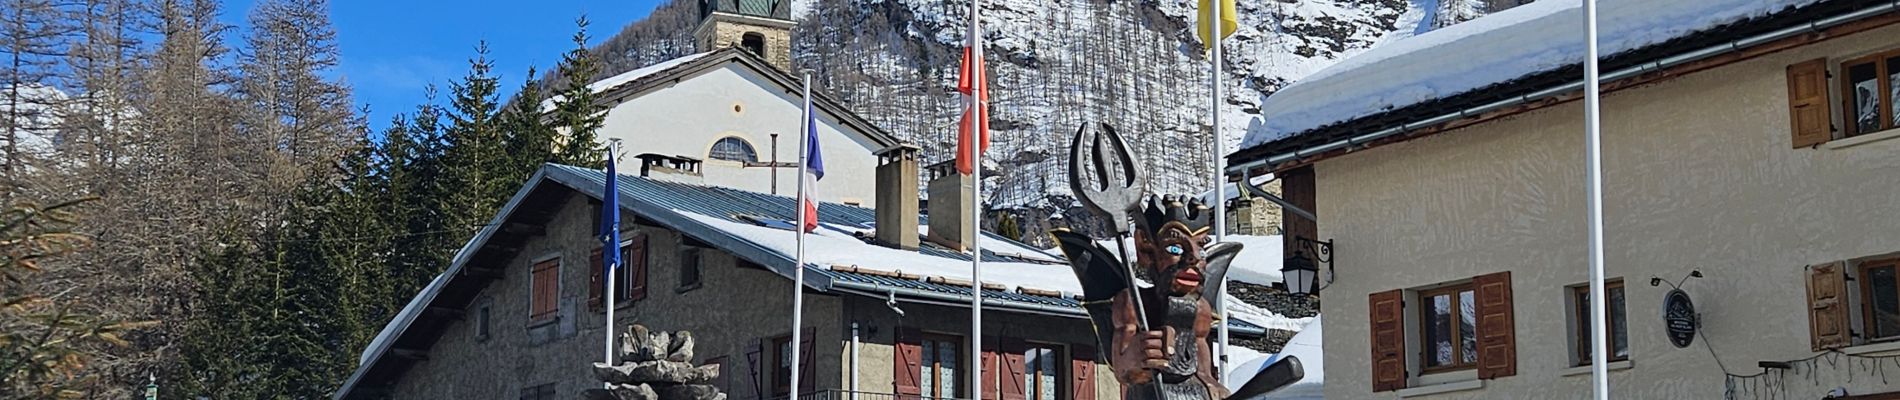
1220 190
798 274
611 270
1592 106
976 200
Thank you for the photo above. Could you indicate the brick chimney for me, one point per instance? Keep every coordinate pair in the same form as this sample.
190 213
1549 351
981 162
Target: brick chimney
950 201
897 196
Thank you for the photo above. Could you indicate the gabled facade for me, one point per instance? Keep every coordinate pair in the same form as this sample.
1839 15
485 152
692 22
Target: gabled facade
1759 152
520 313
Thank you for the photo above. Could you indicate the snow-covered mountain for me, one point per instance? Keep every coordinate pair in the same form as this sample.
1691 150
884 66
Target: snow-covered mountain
1055 65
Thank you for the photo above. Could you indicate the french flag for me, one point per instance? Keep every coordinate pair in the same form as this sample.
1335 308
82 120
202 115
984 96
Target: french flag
814 168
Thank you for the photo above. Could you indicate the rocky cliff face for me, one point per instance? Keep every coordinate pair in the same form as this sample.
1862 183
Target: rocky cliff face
1057 64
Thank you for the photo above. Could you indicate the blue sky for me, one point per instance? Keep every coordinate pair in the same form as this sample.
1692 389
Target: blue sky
393 49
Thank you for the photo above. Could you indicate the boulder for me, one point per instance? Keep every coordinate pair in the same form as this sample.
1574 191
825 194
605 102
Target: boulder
689 392
682 349
635 392
613 373
670 372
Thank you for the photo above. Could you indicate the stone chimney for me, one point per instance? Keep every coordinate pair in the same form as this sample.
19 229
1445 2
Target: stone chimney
681 169
950 201
897 196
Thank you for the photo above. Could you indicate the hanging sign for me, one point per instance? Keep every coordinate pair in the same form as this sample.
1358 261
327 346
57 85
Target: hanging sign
1679 318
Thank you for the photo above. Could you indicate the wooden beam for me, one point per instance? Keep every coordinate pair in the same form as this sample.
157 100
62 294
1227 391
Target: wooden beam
484 273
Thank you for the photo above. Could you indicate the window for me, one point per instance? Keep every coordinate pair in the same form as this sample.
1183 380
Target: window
1041 372
732 148
938 377
543 391
1580 318
753 42
1872 84
546 283
1880 298
689 268
1448 323
782 368
632 280
481 321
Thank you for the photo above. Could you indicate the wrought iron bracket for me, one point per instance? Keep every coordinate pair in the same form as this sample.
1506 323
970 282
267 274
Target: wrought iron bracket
1322 253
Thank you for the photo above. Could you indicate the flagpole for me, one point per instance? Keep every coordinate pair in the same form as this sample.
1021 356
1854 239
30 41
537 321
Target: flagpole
798 274
1220 190
976 198
614 266
1592 105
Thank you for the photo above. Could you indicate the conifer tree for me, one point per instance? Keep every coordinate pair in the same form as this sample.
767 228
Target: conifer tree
475 148
575 109
530 138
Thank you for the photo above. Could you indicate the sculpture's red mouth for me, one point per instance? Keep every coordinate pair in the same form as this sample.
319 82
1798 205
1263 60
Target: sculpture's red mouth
1188 277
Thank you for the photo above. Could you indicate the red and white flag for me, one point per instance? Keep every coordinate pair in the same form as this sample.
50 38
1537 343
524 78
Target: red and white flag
973 132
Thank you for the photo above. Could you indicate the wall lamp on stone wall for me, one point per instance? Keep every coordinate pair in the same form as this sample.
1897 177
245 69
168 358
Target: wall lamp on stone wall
1300 272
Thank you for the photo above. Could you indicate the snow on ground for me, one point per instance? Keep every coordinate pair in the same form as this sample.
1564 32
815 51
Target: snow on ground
1306 346
1521 41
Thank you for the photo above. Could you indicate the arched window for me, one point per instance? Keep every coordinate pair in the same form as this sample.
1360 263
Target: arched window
753 42
734 149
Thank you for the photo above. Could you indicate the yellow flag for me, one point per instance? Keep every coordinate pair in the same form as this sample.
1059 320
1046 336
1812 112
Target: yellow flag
1229 21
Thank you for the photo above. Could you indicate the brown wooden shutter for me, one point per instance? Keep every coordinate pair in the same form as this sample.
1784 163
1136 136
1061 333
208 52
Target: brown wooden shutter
637 259
1299 186
991 389
1808 113
807 376
1011 385
594 280
1082 373
1497 328
908 358
1827 306
1388 340
754 361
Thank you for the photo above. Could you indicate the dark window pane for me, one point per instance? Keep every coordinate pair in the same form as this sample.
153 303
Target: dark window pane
734 149
1619 331
1438 331
1865 102
1886 303
1468 326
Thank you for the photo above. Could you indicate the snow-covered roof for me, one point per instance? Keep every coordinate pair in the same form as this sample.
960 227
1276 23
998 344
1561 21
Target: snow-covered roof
608 83
1496 49
1306 346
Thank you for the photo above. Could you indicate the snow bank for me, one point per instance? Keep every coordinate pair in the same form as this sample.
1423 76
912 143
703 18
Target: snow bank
1306 346
1510 44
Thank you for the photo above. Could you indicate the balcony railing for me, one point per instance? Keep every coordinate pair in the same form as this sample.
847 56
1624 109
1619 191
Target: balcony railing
851 395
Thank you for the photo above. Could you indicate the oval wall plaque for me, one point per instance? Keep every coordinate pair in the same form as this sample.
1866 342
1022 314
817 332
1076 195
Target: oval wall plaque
1679 318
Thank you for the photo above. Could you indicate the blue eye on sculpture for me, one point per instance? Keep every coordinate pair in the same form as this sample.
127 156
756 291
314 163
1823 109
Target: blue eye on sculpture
1175 249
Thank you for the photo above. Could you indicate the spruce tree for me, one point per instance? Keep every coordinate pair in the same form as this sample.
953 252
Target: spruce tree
475 150
575 109
530 138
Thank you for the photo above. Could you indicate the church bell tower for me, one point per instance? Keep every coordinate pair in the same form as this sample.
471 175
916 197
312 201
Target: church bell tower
763 27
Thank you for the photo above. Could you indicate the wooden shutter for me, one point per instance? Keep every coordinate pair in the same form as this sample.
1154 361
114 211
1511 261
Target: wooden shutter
1011 368
636 258
594 280
908 359
1497 329
754 359
546 289
1827 306
1808 113
1082 373
806 375
1388 340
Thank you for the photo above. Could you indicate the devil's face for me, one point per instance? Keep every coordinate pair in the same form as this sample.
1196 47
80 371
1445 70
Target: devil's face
1173 257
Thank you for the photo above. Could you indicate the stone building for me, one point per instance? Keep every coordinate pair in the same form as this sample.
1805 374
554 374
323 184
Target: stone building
1749 141
520 312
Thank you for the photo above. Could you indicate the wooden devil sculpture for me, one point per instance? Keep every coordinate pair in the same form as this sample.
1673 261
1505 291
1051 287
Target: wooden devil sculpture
1156 336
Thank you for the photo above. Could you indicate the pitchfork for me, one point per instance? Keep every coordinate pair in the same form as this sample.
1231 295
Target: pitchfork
1111 199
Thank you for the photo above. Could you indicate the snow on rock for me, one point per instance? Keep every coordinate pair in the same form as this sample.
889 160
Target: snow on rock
1304 345
1507 45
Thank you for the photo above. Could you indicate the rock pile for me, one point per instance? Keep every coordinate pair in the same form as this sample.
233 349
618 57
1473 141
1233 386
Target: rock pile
655 366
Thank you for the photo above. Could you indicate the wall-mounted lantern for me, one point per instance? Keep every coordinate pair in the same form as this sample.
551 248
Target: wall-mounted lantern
1300 272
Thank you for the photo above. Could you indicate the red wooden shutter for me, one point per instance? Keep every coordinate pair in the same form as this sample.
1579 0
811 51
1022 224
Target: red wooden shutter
1497 329
1827 306
1808 113
594 280
909 356
1388 340
637 259
990 387
545 288
806 377
754 361
1012 369
1082 371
